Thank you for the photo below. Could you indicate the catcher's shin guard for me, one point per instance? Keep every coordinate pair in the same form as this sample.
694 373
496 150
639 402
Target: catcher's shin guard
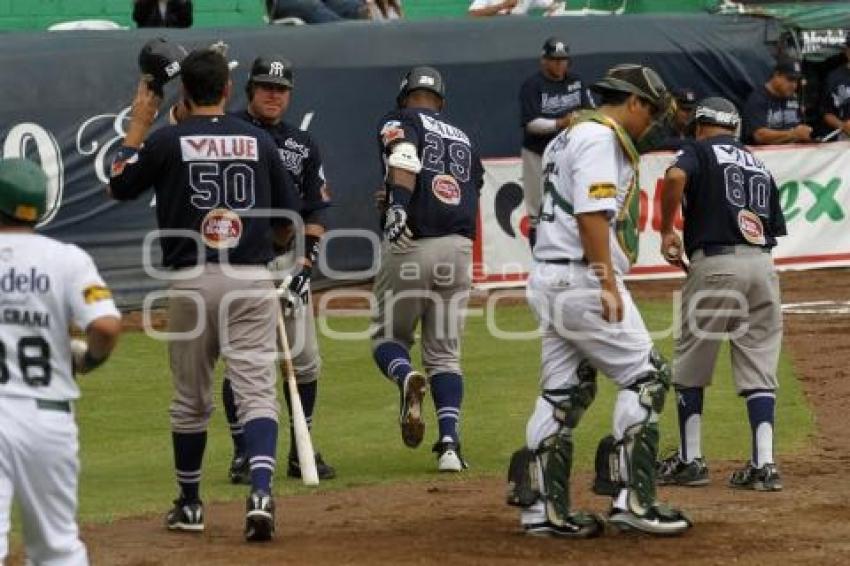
639 445
555 453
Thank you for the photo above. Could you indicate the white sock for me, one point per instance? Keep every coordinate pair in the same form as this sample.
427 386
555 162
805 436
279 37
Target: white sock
693 432
764 445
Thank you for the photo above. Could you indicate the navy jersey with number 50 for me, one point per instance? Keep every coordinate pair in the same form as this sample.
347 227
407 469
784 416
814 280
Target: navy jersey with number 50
445 199
730 196
213 176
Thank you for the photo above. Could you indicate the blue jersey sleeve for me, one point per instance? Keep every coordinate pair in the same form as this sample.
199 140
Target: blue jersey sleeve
134 171
529 101
687 160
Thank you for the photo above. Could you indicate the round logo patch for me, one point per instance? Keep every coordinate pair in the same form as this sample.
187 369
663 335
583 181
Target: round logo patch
221 228
751 227
446 189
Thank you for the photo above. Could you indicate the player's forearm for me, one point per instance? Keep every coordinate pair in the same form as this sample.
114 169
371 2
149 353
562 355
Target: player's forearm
102 336
594 230
542 126
767 136
312 236
833 121
671 197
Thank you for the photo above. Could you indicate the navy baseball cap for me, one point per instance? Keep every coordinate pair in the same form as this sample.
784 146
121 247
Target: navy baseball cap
272 70
686 98
791 68
554 48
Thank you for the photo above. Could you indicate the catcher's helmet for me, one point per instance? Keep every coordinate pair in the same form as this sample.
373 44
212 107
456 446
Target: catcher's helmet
639 80
23 190
717 111
273 69
159 61
421 78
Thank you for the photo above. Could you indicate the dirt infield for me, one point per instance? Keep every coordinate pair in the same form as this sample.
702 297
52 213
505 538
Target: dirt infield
466 522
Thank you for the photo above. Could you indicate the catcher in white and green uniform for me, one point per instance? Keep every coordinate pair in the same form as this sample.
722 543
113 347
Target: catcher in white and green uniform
586 240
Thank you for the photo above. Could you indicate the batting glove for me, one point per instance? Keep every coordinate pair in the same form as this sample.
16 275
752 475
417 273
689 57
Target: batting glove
299 285
395 226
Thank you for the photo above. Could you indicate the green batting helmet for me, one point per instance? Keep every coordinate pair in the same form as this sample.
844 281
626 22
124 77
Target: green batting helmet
23 190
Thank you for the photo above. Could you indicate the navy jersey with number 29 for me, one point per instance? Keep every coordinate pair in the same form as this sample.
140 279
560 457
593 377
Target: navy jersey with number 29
445 199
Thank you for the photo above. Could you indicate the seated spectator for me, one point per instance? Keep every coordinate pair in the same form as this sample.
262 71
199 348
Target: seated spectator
772 112
318 11
162 13
483 8
837 98
385 9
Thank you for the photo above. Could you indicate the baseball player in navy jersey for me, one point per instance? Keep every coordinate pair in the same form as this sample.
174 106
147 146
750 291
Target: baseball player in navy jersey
836 97
772 113
587 239
269 91
45 287
433 177
217 179
732 218
548 101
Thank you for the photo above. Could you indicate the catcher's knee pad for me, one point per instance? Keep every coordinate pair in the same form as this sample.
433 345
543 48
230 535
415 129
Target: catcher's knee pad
523 487
569 405
608 480
639 445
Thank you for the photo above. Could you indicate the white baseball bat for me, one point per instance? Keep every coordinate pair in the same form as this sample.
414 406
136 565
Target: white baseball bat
303 443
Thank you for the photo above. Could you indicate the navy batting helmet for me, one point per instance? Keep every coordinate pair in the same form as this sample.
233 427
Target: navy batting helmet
717 111
159 62
422 78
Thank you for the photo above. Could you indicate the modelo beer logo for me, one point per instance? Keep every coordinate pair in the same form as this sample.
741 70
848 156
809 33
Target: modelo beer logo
14 281
446 189
221 229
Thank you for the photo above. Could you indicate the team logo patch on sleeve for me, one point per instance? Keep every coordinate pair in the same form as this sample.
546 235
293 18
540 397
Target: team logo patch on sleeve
751 227
96 293
121 161
602 190
446 189
391 132
221 229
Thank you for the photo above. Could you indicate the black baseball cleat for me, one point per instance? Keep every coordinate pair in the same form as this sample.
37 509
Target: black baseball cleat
577 525
259 517
413 390
675 471
766 478
240 470
186 516
325 470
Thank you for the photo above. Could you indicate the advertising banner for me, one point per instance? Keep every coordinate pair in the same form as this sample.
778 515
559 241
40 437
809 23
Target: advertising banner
814 192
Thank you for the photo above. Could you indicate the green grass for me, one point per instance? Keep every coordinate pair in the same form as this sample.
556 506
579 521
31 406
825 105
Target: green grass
125 438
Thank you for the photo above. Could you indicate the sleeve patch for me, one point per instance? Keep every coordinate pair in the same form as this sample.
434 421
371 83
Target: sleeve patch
602 190
123 158
95 293
391 132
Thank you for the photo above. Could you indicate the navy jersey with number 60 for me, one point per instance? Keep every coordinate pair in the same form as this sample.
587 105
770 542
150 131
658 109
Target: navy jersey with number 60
213 176
730 196
445 199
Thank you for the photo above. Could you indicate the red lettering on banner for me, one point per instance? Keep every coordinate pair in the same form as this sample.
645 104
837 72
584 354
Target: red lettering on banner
644 210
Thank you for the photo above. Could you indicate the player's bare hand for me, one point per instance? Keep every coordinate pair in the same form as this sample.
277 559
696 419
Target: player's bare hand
671 247
509 4
802 132
145 104
612 303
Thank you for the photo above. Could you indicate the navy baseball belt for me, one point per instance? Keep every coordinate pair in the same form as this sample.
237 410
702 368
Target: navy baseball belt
713 250
563 261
